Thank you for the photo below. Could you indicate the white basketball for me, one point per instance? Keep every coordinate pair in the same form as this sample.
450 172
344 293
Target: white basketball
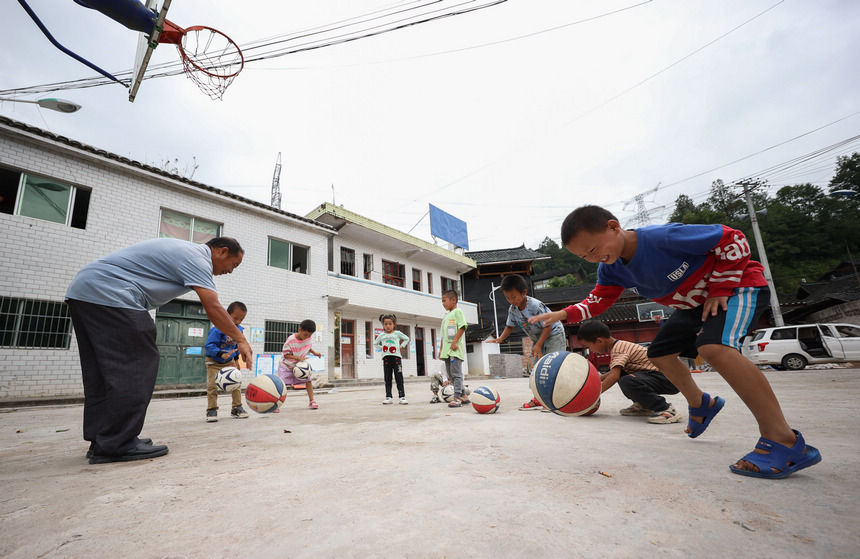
302 370
228 379
447 392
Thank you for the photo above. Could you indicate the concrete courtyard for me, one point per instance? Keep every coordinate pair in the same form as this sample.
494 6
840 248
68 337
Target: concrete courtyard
359 479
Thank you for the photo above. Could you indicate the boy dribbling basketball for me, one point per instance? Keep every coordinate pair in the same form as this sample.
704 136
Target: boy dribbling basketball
706 273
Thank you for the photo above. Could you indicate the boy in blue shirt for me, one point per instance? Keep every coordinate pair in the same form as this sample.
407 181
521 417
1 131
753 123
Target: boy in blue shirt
705 272
222 351
545 337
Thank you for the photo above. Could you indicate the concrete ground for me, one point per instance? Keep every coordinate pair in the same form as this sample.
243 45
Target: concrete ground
358 479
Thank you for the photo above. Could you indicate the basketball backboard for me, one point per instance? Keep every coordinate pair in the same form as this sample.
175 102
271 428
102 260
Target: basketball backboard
146 46
648 312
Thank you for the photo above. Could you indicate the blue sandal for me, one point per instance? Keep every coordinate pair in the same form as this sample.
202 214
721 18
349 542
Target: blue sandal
780 461
706 412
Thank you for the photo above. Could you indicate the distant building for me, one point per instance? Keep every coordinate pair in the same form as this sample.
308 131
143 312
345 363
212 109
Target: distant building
375 269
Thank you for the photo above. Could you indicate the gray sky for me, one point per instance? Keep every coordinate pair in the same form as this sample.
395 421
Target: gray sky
509 137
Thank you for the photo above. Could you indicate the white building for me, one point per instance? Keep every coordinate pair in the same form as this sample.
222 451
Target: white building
375 269
64 204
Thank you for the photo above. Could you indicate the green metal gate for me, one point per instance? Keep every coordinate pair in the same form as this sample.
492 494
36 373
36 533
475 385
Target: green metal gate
182 330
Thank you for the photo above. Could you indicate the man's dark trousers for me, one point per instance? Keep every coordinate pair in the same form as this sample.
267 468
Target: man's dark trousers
119 365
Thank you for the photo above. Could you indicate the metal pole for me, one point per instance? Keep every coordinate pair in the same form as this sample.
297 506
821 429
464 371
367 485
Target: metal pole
495 314
774 300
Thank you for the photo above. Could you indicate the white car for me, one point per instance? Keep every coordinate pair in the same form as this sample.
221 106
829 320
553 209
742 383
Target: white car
795 347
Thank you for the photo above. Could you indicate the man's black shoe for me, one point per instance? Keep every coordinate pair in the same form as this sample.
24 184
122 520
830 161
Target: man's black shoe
141 452
90 451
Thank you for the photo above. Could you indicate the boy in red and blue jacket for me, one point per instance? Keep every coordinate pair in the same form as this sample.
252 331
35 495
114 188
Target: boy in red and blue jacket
705 272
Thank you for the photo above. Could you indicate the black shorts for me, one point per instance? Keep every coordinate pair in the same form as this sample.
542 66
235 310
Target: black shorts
683 332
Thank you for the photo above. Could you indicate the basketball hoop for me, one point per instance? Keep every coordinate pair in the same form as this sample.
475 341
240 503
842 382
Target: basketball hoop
211 58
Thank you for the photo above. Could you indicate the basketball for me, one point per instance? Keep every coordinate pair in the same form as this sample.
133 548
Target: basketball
566 383
592 409
302 370
485 400
447 392
265 393
228 379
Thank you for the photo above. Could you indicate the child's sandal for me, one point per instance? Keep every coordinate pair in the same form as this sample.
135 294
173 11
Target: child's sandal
706 412
779 461
455 403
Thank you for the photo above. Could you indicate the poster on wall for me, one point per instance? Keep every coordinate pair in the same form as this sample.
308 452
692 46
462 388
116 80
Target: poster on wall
195 332
266 364
258 335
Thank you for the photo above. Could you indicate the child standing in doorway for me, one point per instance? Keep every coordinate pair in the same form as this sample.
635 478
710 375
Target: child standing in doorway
295 349
391 340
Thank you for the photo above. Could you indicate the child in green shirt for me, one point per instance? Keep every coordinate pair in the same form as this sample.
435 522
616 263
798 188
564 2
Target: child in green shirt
453 352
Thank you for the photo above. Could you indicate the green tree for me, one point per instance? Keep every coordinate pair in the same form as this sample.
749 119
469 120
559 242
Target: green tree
847 176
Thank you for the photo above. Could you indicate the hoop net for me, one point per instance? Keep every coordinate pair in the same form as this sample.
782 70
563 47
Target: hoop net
211 59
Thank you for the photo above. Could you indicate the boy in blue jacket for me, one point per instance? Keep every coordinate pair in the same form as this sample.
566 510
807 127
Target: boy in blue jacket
221 351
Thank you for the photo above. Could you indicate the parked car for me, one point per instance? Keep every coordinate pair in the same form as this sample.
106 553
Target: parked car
795 347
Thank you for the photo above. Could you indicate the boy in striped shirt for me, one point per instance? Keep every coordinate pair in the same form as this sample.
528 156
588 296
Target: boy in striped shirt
635 374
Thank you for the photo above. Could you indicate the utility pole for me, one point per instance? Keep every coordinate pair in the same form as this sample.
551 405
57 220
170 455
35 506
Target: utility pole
748 186
276 184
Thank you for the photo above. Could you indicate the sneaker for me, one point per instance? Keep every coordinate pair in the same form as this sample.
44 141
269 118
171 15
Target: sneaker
435 399
312 405
531 405
211 416
403 400
388 400
239 413
636 410
669 415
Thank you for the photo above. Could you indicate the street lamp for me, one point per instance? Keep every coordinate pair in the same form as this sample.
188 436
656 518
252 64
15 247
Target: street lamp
59 105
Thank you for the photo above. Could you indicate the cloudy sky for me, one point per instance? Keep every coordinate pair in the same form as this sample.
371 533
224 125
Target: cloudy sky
507 117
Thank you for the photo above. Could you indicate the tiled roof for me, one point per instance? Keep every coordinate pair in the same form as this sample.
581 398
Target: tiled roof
576 293
32 130
499 255
840 289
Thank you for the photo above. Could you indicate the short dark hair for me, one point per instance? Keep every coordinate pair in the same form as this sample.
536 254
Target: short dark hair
389 316
451 294
232 245
236 304
308 326
515 283
591 219
590 330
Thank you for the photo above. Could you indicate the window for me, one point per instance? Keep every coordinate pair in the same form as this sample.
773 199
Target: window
187 227
429 282
393 273
450 285
404 350
347 261
368 340
784 334
846 331
29 323
276 334
368 265
288 256
416 279
433 340
42 198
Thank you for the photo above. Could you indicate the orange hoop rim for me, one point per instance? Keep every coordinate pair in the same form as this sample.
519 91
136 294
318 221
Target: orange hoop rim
204 70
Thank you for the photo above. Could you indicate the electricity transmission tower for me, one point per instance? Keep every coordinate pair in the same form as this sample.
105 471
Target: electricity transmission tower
276 184
643 214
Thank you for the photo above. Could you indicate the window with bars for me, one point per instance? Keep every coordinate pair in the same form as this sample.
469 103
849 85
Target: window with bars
187 227
393 273
34 324
416 279
347 261
368 340
450 285
276 333
288 256
42 198
368 265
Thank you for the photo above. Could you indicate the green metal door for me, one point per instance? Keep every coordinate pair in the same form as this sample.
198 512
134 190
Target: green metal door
181 337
